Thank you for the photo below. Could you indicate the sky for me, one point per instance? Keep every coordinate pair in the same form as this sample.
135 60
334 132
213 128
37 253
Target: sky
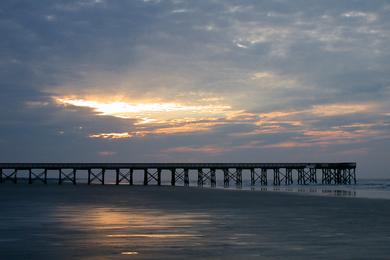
196 81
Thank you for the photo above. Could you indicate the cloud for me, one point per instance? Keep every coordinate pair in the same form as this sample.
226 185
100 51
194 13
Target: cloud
197 149
245 80
111 135
370 17
106 153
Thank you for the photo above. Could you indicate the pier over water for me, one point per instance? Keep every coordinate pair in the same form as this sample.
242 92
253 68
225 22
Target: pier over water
179 173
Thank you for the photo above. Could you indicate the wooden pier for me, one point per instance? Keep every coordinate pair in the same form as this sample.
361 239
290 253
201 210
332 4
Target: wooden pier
179 173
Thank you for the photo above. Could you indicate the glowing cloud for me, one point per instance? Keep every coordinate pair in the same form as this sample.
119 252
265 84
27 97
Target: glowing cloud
341 109
145 111
262 74
174 118
152 118
208 149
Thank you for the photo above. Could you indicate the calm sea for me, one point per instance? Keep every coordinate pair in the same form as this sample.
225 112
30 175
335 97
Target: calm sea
67 221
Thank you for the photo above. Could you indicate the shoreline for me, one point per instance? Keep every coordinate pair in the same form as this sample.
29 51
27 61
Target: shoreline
342 191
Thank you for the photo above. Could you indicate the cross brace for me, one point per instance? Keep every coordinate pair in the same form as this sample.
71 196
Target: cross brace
206 176
12 176
152 174
180 175
96 176
235 175
63 176
124 176
258 176
41 176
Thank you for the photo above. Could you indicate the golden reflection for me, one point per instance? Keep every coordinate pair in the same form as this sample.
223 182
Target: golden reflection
154 235
129 253
145 220
115 228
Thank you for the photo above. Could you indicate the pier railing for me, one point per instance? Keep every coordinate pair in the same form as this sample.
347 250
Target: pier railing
260 173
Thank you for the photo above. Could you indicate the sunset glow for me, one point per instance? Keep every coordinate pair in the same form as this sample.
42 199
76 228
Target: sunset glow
146 112
156 118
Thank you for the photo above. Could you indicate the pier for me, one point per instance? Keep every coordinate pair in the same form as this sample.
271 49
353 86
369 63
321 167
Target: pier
179 173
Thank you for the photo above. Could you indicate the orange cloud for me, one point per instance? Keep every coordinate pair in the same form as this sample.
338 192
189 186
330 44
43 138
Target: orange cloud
200 149
342 109
172 118
106 153
278 114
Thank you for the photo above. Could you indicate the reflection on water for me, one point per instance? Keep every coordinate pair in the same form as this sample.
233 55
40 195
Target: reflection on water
154 235
140 230
342 193
327 191
129 253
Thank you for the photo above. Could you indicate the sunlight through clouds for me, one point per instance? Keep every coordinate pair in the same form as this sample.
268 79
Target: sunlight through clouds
158 118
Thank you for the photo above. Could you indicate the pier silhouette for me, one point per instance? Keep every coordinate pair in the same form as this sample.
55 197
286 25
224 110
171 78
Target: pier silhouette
280 173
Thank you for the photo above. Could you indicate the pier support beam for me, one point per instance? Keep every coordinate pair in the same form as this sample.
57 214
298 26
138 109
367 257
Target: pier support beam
239 178
206 176
307 176
186 178
324 176
213 180
283 176
41 176
263 177
313 175
234 174
12 176
338 176
181 175
124 176
226 179
98 176
152 175
277 177
173 177
64 176
350 176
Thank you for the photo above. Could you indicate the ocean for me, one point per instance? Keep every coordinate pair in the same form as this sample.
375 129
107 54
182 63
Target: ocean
82 221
